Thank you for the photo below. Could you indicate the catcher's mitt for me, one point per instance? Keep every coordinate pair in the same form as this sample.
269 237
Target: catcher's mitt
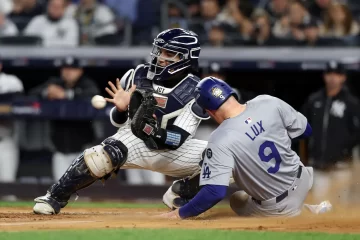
141 110
136 99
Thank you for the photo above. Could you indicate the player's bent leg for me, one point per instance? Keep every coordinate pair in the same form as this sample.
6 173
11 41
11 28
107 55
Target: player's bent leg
182 191
96 163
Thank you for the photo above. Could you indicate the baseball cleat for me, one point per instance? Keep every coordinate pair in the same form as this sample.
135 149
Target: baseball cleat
321 208
180 202
169 197
46 205
43 209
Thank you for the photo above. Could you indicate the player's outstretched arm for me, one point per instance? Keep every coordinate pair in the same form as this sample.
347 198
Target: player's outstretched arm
214 178
120 97
206 198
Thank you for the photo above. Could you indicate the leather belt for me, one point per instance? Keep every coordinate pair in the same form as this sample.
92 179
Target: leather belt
284 194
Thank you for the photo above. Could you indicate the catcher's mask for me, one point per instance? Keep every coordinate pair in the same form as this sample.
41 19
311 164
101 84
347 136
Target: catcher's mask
178 48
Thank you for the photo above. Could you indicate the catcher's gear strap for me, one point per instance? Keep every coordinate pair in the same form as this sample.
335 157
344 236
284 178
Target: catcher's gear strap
117 118
127 80
106 158
76 177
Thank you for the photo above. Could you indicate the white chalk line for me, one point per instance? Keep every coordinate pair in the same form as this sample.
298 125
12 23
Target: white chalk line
44 222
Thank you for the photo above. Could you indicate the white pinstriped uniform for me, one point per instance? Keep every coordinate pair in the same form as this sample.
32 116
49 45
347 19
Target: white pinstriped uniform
181 162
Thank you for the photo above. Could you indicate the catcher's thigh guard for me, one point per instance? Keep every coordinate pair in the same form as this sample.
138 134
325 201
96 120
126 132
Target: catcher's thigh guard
105 158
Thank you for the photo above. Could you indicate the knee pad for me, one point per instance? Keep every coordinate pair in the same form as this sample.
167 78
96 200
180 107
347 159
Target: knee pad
105 158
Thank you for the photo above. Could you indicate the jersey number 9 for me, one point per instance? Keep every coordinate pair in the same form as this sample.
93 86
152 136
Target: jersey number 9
274 154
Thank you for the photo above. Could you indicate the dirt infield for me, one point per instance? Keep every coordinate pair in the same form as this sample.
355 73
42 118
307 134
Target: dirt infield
19 219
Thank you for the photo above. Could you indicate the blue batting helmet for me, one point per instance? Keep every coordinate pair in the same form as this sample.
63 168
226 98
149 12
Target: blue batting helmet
211 93
180 43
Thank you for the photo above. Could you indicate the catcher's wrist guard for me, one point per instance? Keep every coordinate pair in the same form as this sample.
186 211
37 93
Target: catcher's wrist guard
119 117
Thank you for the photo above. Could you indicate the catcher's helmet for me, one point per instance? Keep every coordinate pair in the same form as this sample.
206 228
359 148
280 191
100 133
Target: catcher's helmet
211 93
180 42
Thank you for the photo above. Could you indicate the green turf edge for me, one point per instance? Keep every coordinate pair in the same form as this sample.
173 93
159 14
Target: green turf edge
89 204
173 234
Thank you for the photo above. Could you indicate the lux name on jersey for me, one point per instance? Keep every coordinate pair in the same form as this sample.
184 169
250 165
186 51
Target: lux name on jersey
256 130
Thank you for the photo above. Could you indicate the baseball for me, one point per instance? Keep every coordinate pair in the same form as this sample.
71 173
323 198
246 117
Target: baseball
98 102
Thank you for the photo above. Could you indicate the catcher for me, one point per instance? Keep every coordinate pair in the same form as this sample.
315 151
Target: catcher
157 117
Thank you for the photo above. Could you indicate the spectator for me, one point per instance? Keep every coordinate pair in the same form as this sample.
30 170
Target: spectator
54 28
69 137
262 35
333 112
234 13
10 86
289 26
318 8
24 10
312 36
311 33
7 27
176 17
217 35
193 7
209 9
215 70
95 19
277 9
339 22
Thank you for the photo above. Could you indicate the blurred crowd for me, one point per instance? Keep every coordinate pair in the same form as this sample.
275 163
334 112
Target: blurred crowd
272 22
332 111
67 23
70 23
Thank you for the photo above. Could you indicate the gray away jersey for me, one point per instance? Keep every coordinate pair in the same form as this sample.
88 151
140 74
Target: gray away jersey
255 147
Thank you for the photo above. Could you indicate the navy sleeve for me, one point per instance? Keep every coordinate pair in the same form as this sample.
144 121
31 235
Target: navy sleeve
207 197
117 118
307 133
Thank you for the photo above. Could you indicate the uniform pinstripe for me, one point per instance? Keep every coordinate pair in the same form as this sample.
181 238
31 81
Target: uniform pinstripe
181 162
